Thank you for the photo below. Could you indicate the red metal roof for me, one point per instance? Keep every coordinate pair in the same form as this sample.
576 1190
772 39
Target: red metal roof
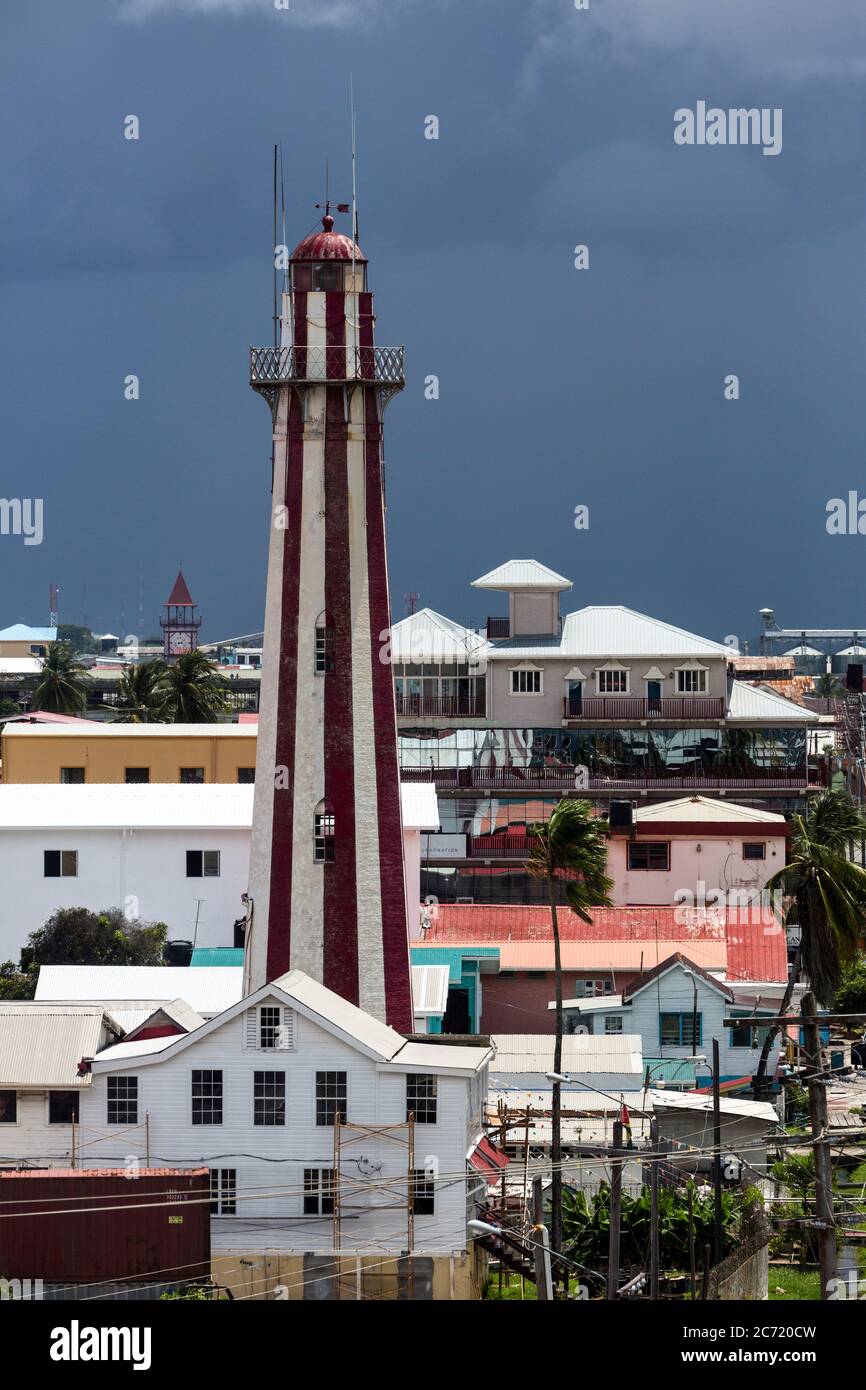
748 949
327 245
488 1160
180 594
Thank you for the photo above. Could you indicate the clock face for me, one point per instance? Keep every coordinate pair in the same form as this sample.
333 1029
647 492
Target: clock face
179 642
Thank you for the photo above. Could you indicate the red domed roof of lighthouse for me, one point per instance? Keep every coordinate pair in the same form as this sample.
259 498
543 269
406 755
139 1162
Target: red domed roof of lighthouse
327 245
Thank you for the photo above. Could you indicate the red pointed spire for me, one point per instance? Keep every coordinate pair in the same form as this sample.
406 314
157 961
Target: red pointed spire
180 594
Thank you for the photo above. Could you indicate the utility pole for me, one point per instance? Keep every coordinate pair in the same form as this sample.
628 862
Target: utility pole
717 1159
543 1280
820 1145
615 1211
654 1209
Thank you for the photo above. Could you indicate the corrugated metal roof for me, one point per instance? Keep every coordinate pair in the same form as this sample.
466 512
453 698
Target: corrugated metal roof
429 990
679 1071
439 1056
429 636
453 923
454 957
121 1051
688 1100
752 702
584 1052
608 955
116 806
206 989
41 1046
612 630
522 574
218 955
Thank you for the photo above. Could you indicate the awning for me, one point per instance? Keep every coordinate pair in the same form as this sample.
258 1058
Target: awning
487 1160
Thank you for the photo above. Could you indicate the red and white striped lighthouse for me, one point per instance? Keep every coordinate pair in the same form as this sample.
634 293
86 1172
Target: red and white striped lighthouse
326 873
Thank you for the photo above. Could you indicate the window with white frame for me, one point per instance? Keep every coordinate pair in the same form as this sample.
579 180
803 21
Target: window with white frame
207 1097
269 1098
318 1191
526 680
612 681
592 989
421 1099
613 1023
122 1100
330 1096
202 863
223 1191
691 680
60 863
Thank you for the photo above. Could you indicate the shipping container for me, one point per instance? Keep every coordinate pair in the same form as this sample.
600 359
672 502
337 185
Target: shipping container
84 1225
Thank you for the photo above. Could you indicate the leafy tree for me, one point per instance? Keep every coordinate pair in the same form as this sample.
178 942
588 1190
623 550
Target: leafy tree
80 639
586 1225
77 936
197 693
16 983
62 684
144 693
569 850
850 997
828 687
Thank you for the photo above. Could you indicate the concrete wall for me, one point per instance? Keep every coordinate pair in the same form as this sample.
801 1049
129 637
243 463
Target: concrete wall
33 754
517 711
141 871
518 1003
716 863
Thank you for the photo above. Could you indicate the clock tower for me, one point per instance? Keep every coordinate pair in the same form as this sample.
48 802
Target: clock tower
326 889
180 625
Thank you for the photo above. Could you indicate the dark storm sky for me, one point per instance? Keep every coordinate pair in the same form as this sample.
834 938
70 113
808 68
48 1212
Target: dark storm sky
558 387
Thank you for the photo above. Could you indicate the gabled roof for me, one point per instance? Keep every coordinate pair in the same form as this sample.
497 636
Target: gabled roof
704 809
42 1044
522 574
664 968
20 632
176 1011
329 1011
180 594
754 702
605 631
207 989
429 636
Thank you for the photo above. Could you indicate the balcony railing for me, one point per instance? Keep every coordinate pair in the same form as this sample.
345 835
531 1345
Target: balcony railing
498 846
373 366
441 706
691 707
565 778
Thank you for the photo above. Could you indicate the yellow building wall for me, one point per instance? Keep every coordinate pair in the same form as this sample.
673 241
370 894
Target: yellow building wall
32 757
21 648
258 1277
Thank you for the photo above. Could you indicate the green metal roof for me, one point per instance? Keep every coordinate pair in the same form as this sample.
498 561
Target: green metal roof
678 1071
217 955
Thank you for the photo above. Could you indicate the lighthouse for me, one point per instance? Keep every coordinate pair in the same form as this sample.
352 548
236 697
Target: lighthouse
326 892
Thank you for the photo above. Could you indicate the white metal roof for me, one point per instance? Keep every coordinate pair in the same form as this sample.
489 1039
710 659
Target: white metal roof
856 650
179 1011
702 808
20 665
605 631
802 650
691 1100
117 806
123 1051
429 636
592 1004
581 1052
753 702
41 1045
163 806
522 574
419 805
429 990
94 728
20 632
206 988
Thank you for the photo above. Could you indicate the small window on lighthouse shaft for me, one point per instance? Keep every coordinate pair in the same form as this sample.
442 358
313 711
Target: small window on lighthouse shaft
324 645
324 833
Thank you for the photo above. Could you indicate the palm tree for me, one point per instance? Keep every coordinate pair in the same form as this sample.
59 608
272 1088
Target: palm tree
826 892
143 693
62 685
196 693
828 687
570 852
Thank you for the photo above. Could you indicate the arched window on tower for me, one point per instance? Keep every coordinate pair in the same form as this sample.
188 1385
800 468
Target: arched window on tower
324 833
324 644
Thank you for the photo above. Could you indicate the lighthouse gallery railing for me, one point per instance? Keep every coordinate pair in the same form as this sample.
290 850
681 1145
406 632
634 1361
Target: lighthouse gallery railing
375 366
